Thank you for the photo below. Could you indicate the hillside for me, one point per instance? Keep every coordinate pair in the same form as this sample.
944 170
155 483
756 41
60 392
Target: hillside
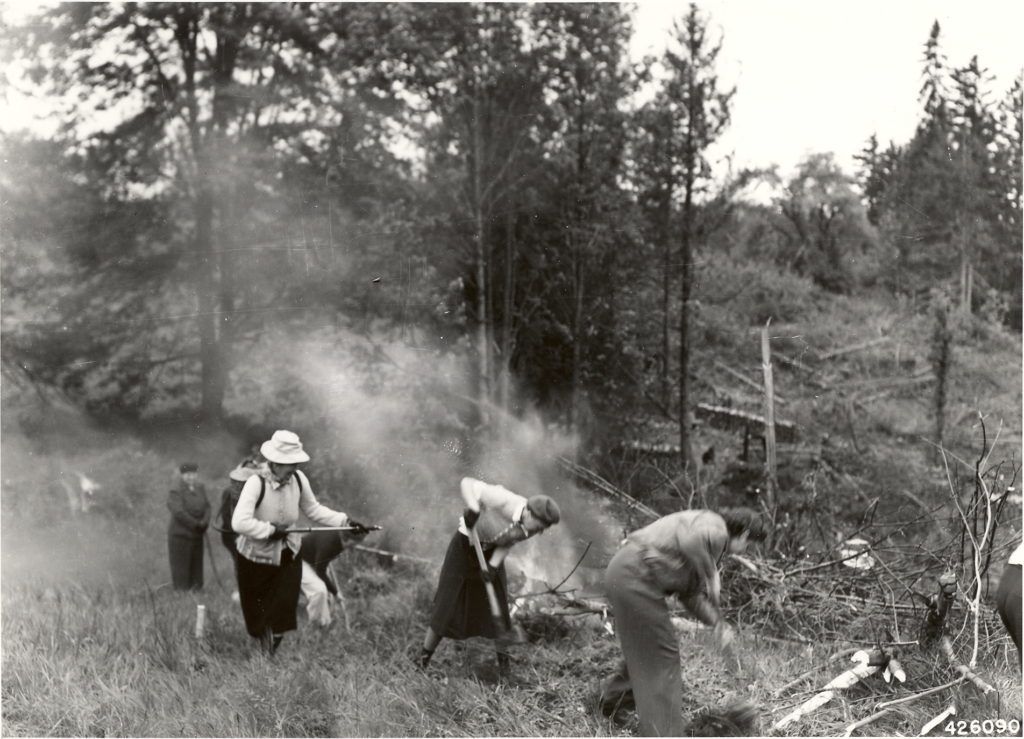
90 623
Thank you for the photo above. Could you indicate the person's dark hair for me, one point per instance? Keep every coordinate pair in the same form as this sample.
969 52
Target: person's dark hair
738 520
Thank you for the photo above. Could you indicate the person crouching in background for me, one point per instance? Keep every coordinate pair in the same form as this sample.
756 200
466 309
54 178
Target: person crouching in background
190 515
499 518
269 570
229 499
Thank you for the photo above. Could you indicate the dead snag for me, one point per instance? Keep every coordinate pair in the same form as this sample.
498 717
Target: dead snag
938 607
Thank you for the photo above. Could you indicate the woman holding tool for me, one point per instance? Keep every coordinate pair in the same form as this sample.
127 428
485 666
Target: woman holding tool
471 598
269 570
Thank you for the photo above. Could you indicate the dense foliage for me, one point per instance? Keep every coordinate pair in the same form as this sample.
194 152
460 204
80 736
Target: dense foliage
493 183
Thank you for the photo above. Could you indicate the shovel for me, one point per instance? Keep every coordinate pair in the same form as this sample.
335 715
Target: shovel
505 637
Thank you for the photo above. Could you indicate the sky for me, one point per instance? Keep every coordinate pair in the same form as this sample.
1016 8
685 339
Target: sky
823 75
811 75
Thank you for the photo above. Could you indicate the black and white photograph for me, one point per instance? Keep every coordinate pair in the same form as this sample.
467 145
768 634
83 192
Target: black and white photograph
526 369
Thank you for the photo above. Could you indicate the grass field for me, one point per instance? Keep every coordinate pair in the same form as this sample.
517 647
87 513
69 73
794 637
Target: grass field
110 651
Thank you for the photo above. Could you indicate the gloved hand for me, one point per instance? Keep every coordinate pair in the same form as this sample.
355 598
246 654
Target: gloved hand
280 532
488 574
358 529
470 517
725 635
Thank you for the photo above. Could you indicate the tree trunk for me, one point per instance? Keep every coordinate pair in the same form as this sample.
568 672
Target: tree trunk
577 337
210 350
686 256
508 312
666 290
483 365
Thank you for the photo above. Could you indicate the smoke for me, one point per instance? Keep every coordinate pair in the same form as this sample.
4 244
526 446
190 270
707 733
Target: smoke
393 441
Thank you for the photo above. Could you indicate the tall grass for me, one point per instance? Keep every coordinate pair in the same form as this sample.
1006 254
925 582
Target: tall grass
121 659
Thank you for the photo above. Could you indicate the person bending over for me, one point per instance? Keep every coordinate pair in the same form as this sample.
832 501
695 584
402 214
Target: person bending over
500 519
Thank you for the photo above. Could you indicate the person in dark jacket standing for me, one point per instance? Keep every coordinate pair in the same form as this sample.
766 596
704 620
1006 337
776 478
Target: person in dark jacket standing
190 515
680 554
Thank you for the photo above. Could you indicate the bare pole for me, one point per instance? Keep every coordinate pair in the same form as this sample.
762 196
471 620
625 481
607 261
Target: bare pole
769 421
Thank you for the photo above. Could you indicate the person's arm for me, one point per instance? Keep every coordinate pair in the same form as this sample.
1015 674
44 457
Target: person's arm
204 519
176 505
244 520
478 494
702 609
498 556
313 509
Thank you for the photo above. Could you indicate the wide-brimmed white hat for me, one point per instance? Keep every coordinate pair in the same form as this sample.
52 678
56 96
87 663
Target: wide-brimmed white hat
284 447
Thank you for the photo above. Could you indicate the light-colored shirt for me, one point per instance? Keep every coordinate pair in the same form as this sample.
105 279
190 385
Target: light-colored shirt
683 551
498 505
280 505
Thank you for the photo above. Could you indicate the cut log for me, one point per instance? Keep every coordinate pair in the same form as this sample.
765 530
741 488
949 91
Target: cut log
849 349
867 665
733 419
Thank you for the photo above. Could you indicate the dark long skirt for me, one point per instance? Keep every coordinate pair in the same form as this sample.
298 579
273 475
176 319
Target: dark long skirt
186 555
269 593
1008 603
461 607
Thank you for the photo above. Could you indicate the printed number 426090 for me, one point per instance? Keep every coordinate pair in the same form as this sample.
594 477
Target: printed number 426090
986 727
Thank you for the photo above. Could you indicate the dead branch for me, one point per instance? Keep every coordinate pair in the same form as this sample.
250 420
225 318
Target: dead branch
743 378
804 675
864 722
606 487
922 694
853 348
968 673
575 567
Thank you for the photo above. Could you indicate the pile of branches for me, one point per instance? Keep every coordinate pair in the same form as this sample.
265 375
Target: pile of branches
879 592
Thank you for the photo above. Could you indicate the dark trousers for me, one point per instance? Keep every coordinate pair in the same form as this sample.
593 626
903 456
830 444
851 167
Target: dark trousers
186 555
1008 603
649 674
269 593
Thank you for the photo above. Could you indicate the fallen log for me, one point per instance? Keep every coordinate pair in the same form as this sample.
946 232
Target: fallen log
850 348
867 664
733 419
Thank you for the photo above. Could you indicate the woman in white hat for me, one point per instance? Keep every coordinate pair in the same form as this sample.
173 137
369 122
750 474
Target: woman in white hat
269 569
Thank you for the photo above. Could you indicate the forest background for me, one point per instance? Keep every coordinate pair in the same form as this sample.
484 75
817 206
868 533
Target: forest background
457 239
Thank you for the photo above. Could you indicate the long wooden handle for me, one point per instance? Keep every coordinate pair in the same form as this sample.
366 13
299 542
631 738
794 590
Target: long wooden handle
492 597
